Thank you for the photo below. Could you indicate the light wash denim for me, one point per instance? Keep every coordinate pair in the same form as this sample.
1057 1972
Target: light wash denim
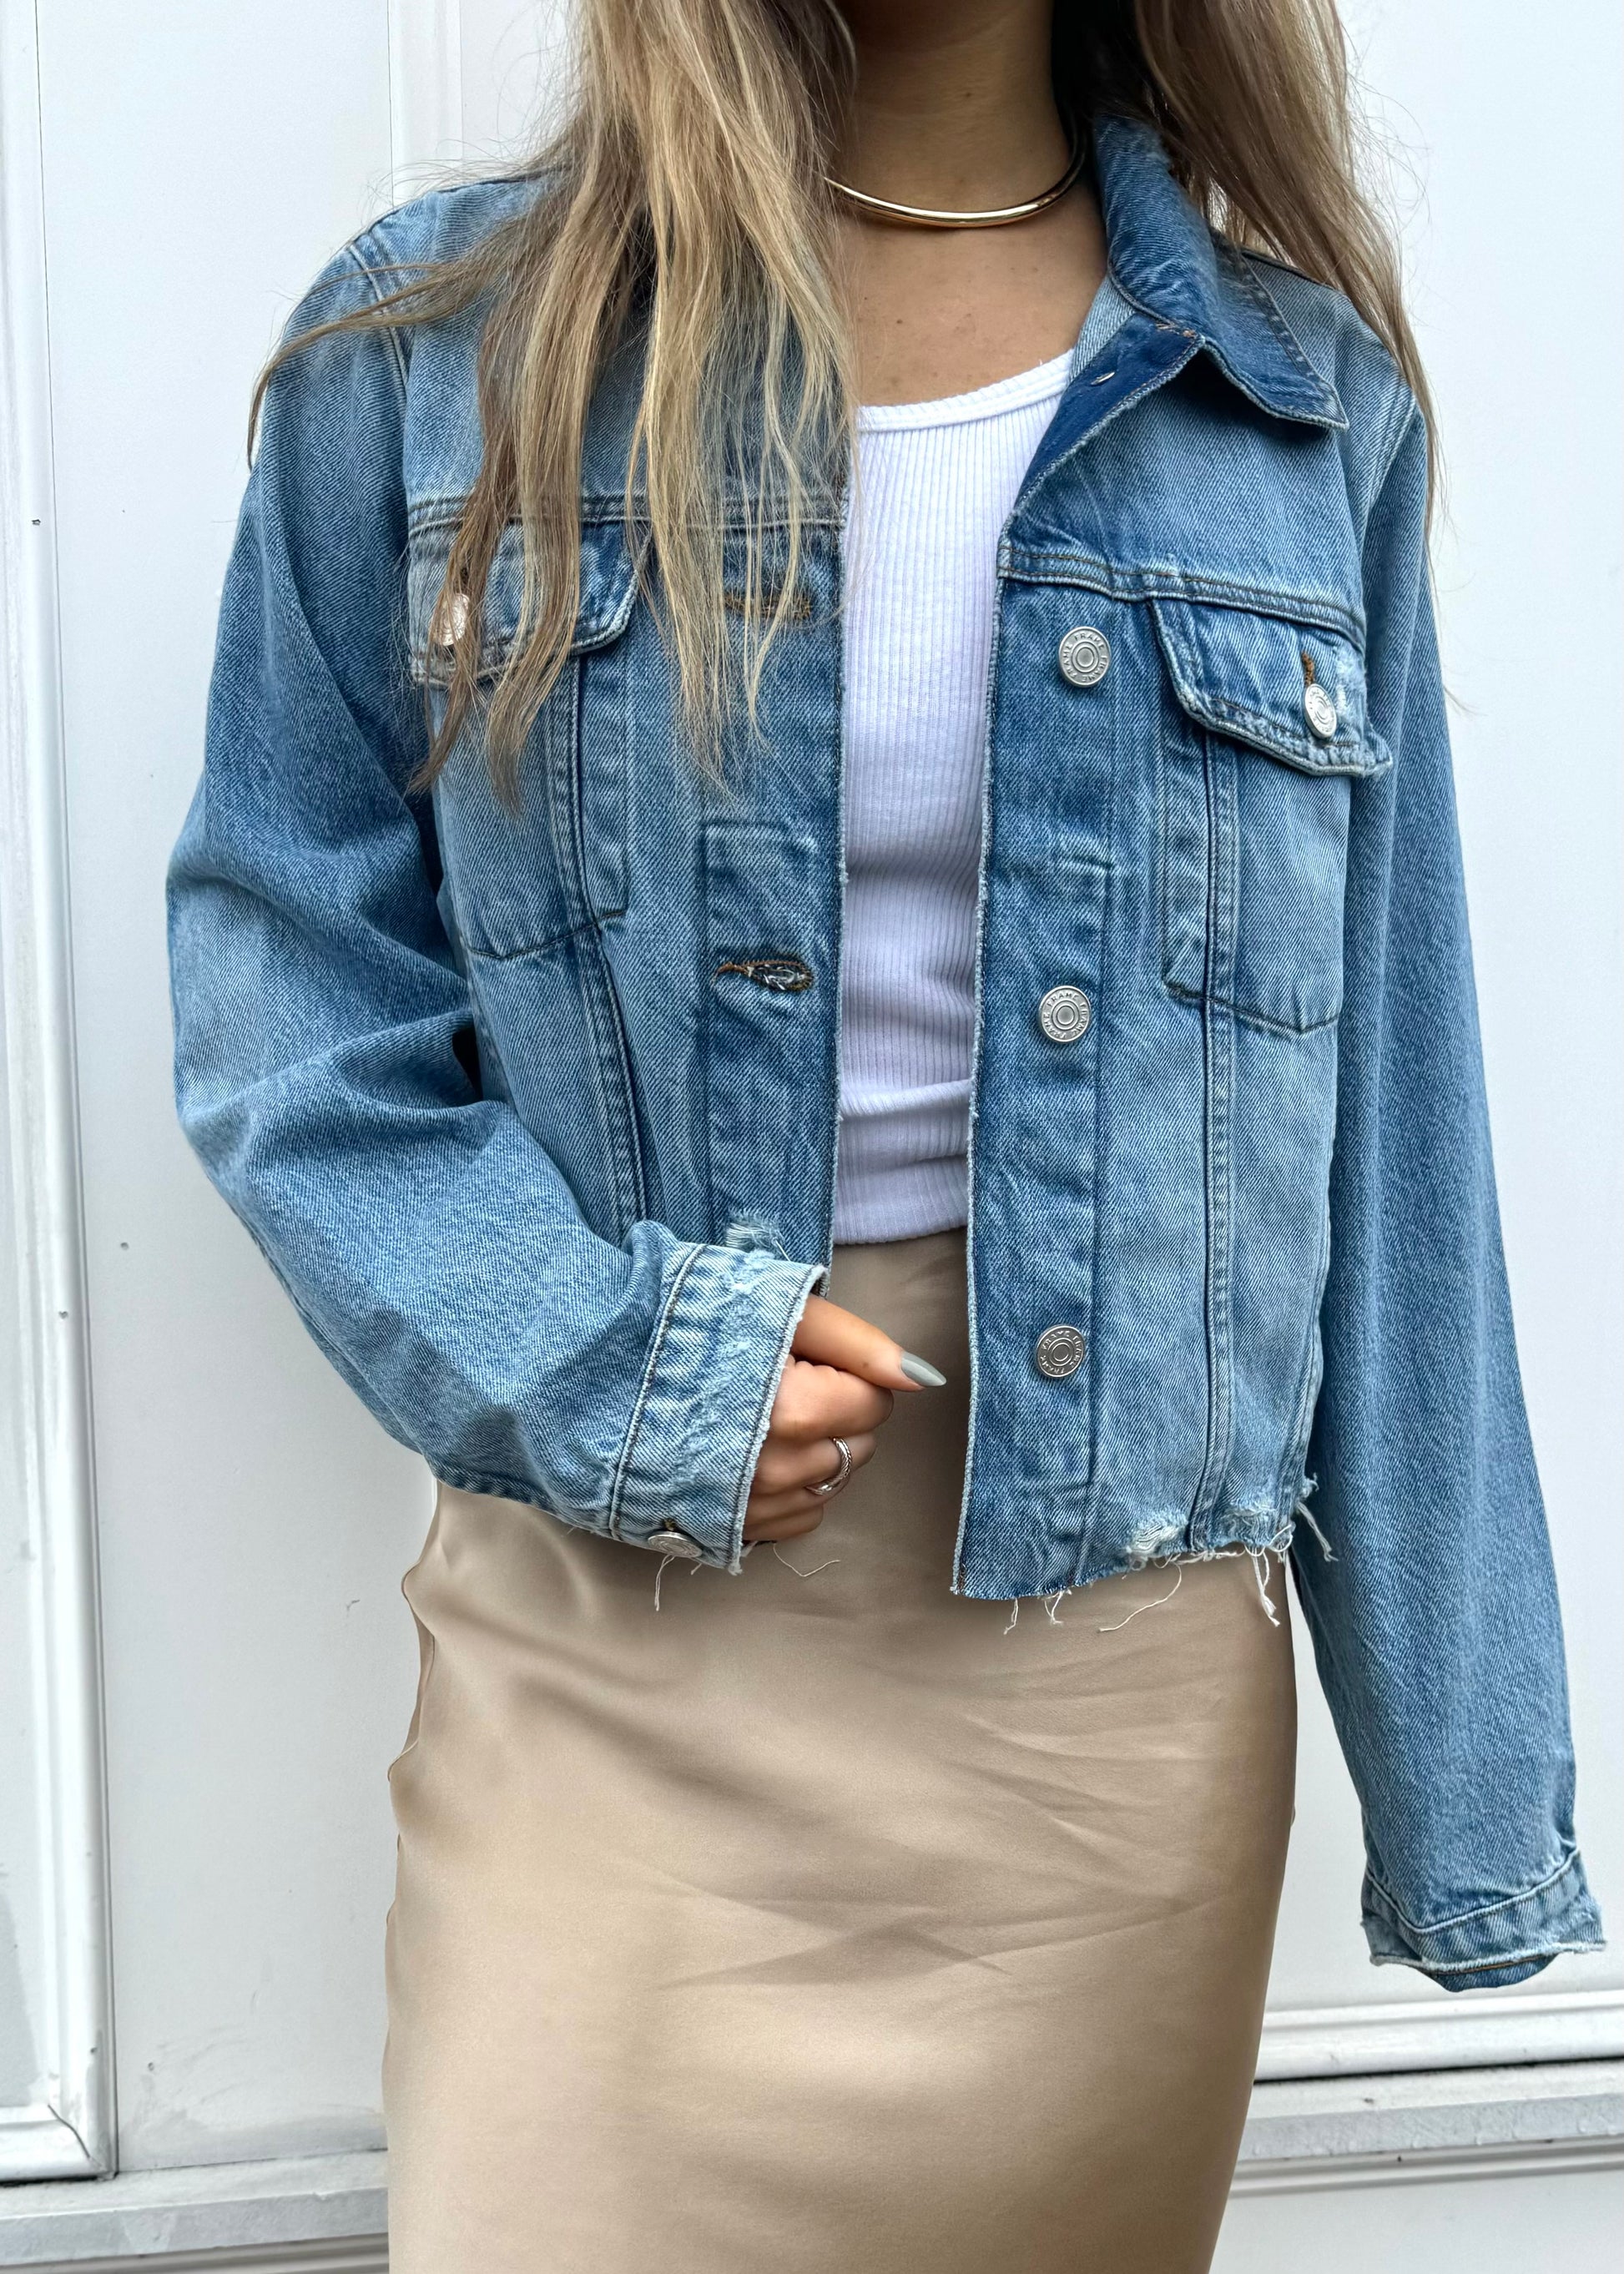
535 1117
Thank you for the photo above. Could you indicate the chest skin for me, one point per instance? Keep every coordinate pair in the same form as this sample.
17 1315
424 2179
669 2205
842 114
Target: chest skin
938 313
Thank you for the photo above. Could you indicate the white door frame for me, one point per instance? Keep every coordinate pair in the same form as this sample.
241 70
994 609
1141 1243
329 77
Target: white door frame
67 2129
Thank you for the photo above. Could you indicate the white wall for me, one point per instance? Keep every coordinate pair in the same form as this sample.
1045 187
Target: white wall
1508 171
1514 2224
199 163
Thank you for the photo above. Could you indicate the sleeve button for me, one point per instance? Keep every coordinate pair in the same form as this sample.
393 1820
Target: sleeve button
670 1541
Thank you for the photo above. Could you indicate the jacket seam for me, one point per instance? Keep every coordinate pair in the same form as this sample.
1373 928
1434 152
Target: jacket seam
1501 1962
741 1490
1288 1476
352 254
1483 1911
1402 411
1219 1084
645 1391
586 926
1028 564
1241 714
505 1488
595 982
1249 1017
603 509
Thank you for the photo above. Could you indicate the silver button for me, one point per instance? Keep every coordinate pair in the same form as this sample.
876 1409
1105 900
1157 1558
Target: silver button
1319 709
1061 1350
1065 1015
670 1541
1084 656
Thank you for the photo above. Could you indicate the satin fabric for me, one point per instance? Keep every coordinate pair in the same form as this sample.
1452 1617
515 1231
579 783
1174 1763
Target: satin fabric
819 1918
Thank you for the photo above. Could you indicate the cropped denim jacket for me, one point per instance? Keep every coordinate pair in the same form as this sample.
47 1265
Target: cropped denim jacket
535 1113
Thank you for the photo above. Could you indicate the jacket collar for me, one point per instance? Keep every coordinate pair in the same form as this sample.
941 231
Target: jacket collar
1165 259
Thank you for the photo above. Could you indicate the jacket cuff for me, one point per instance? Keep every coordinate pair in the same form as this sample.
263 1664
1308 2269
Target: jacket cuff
705 1401
1495 1946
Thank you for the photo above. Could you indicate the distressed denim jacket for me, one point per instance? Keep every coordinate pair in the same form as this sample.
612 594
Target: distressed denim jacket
535 1114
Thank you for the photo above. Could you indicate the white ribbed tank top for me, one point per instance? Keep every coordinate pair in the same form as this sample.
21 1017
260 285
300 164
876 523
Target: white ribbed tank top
936 484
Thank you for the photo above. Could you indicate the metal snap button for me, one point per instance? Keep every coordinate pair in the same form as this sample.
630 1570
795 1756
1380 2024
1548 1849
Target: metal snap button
1084 656
1320 711
450 620
670 1541
1061 1350
1065 1015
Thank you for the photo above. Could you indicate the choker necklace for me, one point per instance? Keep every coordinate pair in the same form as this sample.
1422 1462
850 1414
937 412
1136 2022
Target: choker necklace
995 217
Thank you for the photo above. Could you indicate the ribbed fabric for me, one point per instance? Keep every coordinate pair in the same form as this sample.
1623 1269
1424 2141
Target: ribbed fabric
936 484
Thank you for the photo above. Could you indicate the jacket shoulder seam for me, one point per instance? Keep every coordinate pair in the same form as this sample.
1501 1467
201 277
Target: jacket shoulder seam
352 254
1402 411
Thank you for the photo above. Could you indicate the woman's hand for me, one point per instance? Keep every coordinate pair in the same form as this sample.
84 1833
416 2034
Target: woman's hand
837 1381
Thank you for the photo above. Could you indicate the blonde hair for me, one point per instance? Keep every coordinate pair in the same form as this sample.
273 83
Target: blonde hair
682 203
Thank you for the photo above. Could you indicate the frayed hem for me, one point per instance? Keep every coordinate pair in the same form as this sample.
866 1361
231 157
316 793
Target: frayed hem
1278 1547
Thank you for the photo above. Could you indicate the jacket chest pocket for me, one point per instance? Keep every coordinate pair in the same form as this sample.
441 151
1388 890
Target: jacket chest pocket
1264 736
521 877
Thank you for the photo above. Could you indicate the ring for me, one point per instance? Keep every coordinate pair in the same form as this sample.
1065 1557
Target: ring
827 1490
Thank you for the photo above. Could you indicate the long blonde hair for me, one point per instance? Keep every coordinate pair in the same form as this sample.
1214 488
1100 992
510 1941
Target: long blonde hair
683 200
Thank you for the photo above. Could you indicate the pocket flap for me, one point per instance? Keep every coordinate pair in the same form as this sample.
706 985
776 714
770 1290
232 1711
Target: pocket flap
1250 676
608 590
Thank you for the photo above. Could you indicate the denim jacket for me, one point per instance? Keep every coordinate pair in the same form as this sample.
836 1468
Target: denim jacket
535 1114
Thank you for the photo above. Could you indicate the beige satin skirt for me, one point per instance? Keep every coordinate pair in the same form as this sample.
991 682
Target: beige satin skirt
819 1921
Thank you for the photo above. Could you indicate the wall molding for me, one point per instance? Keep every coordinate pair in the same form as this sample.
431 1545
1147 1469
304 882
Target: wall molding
425 90
1456 2124
313 2212
325 2215
1536 2159
368 2257
1509 2027
45 1432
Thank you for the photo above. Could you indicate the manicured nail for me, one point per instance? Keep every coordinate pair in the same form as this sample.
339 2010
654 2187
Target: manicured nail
922 1371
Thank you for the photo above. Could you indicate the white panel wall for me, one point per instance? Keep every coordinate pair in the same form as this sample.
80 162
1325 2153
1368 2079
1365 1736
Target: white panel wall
1508 177
200 163
1514 2224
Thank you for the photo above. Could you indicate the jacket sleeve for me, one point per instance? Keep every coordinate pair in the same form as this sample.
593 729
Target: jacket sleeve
325 1066
1435 1620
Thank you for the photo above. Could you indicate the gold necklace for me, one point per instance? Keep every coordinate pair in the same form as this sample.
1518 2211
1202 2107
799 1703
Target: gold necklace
994 217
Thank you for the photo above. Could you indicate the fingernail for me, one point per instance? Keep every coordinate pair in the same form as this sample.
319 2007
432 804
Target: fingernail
922 1371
